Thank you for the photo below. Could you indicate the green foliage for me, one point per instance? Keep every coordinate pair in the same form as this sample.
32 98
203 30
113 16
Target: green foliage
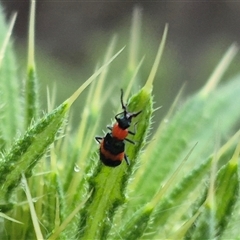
182 182
11 107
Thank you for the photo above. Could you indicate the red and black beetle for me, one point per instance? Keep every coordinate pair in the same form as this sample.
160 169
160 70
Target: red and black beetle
112 146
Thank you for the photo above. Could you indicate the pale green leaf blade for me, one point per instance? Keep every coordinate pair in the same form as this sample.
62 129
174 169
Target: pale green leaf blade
109 184
196 121
10 103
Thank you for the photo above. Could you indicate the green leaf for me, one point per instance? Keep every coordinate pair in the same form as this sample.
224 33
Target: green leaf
109 184
26 151
2 215
36 224
10 104
31 96
118 177
142 217
174 206
217 211
195 121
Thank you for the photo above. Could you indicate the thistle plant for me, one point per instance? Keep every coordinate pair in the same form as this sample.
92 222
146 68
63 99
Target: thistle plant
182 182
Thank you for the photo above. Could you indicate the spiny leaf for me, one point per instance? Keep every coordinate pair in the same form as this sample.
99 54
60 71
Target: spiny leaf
9 86
25 152
195 121
169 204
142 217
31 96
215 215
89 116
109 184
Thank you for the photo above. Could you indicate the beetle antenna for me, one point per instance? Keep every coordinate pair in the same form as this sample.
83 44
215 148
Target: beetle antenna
123 105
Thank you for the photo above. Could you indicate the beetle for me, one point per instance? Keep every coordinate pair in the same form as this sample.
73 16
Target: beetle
112 145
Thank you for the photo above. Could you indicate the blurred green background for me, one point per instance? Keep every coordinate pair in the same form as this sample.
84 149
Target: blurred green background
72 37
